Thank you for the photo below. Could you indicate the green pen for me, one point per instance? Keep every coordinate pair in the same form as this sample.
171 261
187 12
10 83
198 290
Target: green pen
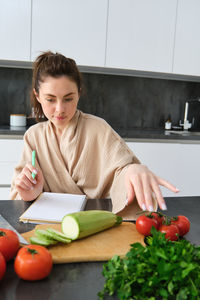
33 163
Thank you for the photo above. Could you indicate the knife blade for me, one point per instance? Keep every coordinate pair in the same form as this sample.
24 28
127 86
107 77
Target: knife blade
6 225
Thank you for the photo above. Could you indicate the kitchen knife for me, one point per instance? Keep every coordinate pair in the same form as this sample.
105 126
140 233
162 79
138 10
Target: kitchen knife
6 225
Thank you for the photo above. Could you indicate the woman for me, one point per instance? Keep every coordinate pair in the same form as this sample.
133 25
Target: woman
77 152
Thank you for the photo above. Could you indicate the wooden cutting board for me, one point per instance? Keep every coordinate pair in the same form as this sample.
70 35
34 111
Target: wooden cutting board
98 247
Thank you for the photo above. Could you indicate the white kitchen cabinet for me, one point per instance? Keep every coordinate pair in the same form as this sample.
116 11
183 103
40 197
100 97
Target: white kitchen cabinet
187 42
7 170
141 34
75 28
15 29
4 193
177 163
10 152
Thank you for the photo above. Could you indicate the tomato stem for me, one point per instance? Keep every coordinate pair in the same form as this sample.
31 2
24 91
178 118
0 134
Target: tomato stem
167 221
2 233
32 251
174 218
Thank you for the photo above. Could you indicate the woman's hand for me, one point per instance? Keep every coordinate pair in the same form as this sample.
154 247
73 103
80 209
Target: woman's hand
142 183
27 187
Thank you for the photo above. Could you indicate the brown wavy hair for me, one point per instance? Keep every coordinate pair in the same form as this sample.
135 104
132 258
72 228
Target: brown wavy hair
54 65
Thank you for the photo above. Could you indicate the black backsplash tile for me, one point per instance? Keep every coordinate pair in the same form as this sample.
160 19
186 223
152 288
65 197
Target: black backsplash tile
125 102
15 87
136 102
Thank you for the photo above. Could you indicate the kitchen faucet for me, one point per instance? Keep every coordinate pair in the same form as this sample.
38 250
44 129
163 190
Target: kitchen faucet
186 112
186 124
192 115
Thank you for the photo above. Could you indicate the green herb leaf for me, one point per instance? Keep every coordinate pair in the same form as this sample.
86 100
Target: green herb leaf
162 270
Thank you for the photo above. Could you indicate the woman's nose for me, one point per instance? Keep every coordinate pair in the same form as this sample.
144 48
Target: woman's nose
59 107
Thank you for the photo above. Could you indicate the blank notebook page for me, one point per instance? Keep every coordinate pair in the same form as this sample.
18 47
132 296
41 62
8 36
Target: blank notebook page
54 206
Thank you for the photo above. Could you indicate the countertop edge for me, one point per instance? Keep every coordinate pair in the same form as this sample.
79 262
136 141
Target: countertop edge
158 140
127 140
11 136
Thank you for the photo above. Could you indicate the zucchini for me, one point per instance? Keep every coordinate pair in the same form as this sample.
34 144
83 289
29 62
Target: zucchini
49 237
43 234
42 241
58 236
84 223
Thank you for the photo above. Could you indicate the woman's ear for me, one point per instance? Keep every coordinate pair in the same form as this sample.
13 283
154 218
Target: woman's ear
36 95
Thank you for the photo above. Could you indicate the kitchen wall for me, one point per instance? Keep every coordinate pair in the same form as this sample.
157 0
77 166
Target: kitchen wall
125 102
14 92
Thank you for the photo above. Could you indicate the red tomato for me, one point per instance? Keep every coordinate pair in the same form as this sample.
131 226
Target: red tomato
9 243
182 223
144 224
159 217
2 266
171 231
33 262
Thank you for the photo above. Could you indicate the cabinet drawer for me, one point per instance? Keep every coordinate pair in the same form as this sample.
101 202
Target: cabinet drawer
6 172
177 163
4 193
10 150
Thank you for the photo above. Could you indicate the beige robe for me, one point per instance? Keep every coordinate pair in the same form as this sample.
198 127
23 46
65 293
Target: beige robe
91 159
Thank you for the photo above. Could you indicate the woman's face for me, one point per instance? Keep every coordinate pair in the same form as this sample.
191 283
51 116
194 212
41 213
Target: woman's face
58 98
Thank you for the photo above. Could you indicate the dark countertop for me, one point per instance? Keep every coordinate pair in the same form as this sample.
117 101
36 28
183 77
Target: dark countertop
159 134
128 135
12 130
78 280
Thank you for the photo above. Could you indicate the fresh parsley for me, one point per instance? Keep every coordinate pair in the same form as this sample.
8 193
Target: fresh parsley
163 270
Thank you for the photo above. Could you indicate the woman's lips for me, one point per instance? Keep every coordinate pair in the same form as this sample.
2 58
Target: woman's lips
60 118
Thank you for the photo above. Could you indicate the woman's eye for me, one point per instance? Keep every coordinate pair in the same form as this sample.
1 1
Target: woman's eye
68 99
50 100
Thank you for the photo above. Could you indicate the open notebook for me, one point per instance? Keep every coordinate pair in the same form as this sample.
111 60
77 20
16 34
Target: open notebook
52 207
